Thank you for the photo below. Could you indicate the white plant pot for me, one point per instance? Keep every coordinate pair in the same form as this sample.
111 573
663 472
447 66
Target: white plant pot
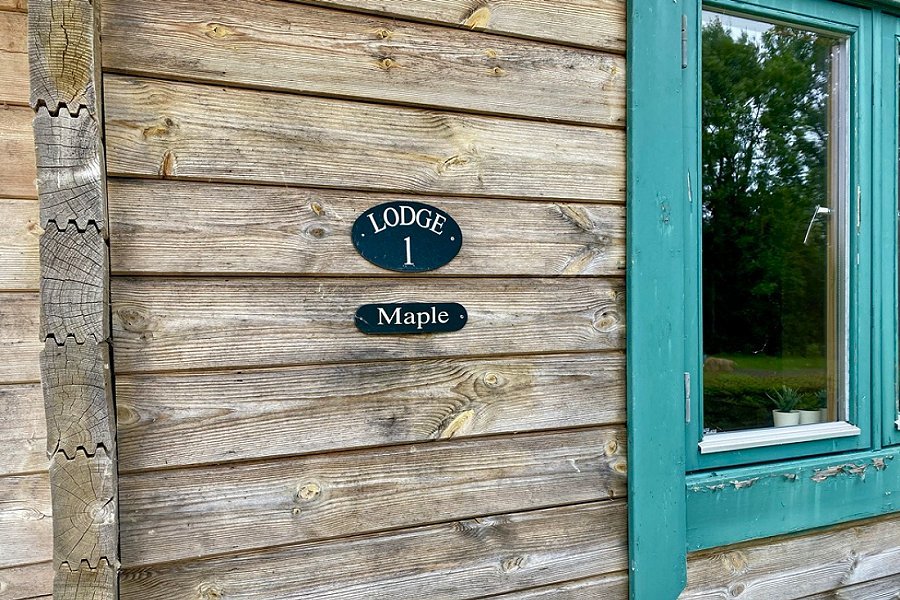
783 419
823 415
808 417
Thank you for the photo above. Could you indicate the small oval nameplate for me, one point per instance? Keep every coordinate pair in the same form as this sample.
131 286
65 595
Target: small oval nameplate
413 317
409 237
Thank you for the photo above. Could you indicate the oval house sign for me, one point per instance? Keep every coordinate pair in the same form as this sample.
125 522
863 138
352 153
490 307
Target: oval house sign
409 237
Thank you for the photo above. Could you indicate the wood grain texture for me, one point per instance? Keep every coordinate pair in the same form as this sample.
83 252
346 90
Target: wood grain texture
605 587
23 430
174 515
217 417
464 559
13 58
25 520
597 23
887 588
20 345
798 566
178 130
78 398
184 227
14 5
17 169
306 49
62 55
27 582
168 324
70 170
99 583
19 266
84 510
74 285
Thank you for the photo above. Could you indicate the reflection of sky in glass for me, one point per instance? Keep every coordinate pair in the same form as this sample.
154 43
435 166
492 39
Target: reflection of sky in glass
737 26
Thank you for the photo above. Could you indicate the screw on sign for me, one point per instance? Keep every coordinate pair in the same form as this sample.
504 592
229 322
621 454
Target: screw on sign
407 237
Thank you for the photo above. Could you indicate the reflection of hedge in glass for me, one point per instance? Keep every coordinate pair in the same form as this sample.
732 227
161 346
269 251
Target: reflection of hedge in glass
737 401
765 134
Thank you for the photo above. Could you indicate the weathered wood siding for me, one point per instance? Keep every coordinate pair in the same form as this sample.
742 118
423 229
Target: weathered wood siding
26 526
857 561
269 450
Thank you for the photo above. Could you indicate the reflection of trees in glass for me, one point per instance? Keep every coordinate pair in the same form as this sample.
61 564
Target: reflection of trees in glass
765 135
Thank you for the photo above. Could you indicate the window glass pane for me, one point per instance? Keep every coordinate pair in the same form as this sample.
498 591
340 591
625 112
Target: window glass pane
775 233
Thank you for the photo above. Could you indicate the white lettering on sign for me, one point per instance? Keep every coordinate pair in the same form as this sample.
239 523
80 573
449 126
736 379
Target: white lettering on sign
405 216
419 318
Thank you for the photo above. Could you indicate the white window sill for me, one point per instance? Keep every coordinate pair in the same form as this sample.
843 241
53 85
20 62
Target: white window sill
897 423
774 436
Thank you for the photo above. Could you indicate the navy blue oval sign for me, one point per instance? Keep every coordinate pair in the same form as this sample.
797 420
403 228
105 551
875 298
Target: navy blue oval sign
407 236
413 317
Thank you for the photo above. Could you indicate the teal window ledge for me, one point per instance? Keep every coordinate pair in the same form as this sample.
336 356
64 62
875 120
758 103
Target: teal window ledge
737 505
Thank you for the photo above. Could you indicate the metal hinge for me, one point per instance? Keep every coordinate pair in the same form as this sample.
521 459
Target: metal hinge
687 397
684 42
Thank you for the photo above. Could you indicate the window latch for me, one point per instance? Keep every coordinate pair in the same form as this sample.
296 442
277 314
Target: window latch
819 210
687 397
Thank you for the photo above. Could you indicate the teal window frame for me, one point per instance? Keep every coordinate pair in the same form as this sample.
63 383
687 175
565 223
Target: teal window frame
814 484
840 20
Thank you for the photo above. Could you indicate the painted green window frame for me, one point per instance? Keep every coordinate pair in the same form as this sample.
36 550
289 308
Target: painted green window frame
672 512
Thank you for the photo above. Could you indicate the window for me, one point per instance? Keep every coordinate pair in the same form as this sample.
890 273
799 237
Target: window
764 265
774 231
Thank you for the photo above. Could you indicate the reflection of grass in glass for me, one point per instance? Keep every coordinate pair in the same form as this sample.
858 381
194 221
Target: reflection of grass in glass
738 399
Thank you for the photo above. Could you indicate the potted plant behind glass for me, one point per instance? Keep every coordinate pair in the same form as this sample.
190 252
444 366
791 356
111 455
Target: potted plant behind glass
785 401
809 410
822 401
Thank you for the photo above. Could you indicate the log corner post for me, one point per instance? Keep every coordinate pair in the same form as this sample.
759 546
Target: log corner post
75 321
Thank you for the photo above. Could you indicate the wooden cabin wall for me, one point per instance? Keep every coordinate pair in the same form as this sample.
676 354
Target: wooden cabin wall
266 448
855 561
26 536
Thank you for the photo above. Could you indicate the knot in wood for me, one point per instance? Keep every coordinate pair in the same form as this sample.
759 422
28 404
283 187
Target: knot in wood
611 447
384 34
512 564
209 591
217 31
497 72
317 232
736 590
387 63
308 492
134 320
606 320
493 379
480 17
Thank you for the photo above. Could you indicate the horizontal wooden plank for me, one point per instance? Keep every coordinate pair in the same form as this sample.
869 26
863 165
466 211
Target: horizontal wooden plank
464 559
216 417
798 566
14 76
605 587
26 523
308 49
17 170
23 430
29 582
887 588
598 23
183 227
14 5
20 344
181 324
19 235
189 513
179 130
